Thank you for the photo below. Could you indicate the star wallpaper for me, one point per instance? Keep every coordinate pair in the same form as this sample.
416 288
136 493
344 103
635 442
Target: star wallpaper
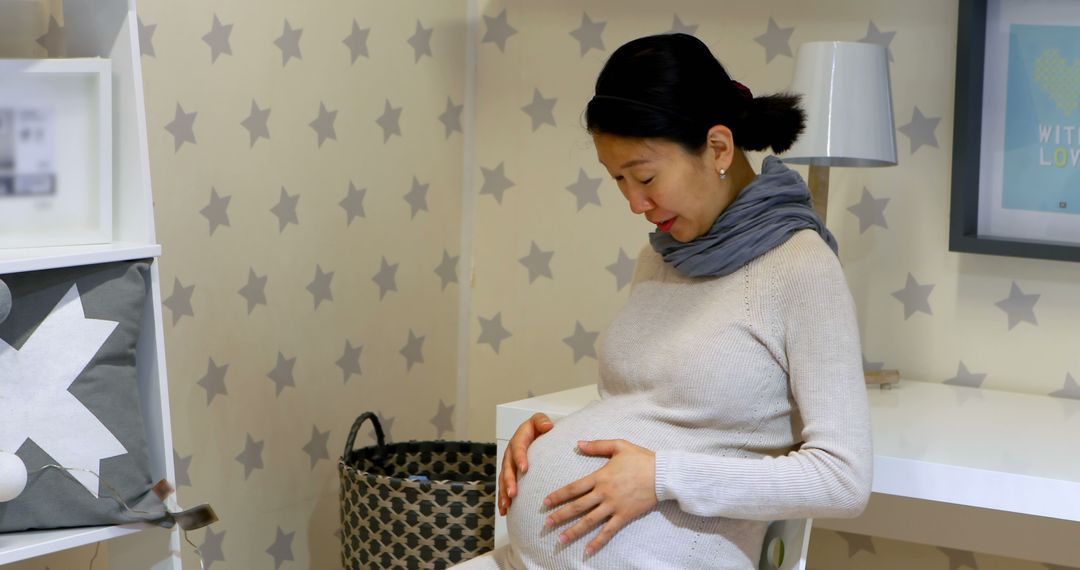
362 207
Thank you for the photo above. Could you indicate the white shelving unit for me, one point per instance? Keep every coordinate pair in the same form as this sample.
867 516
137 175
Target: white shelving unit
108 28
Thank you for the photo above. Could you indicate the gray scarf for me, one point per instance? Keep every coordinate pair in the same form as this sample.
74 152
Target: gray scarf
764 215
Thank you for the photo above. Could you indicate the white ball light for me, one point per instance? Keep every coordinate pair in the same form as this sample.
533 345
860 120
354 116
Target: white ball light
12 476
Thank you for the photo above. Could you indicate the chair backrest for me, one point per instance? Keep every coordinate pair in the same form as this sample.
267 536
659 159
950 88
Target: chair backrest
786 544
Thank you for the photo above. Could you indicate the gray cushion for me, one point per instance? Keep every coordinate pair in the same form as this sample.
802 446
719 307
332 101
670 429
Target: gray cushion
98 424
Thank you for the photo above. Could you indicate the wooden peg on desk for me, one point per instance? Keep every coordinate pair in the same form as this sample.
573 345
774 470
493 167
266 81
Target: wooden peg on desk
884 379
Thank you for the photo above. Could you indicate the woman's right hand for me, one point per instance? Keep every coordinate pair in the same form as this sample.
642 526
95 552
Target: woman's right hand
515 460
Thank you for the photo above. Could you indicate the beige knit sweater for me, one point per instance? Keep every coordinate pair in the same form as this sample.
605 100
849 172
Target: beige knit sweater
748 387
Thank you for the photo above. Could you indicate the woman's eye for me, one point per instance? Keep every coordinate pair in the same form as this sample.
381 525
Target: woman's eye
647 181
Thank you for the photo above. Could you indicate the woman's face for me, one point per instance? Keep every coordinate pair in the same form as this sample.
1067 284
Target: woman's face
679 192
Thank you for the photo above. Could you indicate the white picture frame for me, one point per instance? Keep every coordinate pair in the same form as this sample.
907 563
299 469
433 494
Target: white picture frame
56 183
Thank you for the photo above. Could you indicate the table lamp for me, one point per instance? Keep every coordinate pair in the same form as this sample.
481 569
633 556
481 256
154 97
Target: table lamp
847 98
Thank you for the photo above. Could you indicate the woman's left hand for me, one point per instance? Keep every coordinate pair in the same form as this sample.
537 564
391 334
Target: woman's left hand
618 492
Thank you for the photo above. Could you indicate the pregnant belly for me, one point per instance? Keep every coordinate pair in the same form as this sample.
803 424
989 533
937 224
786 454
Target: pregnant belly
655 540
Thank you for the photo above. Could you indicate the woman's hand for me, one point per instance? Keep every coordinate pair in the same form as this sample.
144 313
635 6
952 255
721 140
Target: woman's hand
515 460
618 492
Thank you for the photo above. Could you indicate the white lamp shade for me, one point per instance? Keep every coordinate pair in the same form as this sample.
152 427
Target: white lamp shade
848 102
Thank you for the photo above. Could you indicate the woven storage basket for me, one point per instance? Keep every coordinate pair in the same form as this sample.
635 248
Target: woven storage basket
389 521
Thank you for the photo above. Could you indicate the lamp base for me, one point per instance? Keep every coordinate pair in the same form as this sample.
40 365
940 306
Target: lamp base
819 189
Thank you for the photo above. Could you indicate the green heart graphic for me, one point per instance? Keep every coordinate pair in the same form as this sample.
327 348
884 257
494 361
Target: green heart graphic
1059 79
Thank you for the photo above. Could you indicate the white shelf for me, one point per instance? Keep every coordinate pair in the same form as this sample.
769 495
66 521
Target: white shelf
22 545
109 29
34 259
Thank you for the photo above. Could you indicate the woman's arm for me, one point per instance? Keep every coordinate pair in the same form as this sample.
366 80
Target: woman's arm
830 475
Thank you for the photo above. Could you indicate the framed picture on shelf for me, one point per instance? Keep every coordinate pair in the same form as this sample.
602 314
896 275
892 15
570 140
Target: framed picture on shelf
1016 138
55 152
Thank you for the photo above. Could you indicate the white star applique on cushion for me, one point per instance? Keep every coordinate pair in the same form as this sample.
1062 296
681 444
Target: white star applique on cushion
34 395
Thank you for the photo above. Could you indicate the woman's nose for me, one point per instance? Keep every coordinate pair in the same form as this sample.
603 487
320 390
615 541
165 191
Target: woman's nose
639 204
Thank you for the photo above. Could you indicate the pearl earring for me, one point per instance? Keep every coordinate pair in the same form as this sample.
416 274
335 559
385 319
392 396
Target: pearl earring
723 174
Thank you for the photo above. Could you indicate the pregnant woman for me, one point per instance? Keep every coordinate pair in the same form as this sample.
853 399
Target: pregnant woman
731 383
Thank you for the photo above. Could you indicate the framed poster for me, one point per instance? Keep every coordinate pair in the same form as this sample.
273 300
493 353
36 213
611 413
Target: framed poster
55 152
1016 143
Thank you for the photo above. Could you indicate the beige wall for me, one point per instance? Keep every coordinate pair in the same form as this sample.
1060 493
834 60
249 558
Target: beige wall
287 492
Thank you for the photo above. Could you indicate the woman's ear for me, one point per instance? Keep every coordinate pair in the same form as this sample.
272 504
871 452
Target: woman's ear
721 148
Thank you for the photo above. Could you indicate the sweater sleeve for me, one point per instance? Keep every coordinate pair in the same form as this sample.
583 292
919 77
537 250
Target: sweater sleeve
830 474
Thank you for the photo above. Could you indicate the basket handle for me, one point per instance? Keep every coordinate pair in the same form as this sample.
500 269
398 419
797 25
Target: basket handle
356 427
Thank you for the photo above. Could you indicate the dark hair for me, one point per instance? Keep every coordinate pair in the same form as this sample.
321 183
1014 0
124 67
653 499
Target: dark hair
671 86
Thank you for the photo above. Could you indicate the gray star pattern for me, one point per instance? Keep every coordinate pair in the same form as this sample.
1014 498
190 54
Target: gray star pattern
622 269
320 286
959 558
775 40
349 363
585 189
324 124
582 341
316 446
385 278
857 543
588 34
538 262
390 121
180 301
282 374
357 42
870 211
281 550
254 291
251 456
1070 390
876 36
53 39
285 210
218 39
451 117
678 27
256 123
211 547
492 332
920 130
353 203
867 365
413 351
495 182
915 297
421 41
965 378
447 269
387 427
182 128
541 110
417 197
216 212
1019 307
444 419
146 38
214 380
289 43
181 465
498 30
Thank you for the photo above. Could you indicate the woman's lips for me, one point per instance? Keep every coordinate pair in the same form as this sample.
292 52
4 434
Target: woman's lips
666 225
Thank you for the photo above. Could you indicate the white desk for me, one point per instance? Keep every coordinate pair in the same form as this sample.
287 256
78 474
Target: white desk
982 470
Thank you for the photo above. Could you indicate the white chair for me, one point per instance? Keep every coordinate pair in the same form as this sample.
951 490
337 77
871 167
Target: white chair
786 544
